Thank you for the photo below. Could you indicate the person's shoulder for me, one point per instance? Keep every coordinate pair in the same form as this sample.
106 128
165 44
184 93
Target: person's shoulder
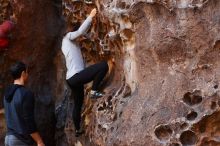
27 92
66 37
71 34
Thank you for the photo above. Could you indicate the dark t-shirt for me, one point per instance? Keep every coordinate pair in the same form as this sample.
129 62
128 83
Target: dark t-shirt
19 112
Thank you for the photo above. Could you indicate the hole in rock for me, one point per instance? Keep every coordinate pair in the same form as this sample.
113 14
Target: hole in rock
192 99
122 102
174 144
213 105
192 116
112 128
207 142
184 126
216 86
202 127
101 107
127 91
188 138
163 132
109 102
217 44
128 33
120 114
101 128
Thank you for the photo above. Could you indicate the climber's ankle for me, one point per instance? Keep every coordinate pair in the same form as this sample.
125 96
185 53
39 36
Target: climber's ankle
95 94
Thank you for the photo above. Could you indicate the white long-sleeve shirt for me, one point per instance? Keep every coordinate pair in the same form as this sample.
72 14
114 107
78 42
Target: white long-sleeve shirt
72 51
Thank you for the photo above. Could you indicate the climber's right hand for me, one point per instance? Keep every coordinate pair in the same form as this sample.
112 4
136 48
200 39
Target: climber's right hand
93 12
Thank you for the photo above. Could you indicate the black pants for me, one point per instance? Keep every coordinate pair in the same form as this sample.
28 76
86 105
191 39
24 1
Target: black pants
94 73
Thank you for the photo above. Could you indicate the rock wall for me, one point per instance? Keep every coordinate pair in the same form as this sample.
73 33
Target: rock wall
163 88
36 41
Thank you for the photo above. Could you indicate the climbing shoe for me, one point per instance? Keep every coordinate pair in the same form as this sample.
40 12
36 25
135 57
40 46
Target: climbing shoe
95 94
88 1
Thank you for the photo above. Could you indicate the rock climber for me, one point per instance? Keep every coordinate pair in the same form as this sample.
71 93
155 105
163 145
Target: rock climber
5 29
19 110
77 75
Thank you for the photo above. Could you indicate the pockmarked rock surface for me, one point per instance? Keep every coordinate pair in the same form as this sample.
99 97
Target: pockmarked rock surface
163 89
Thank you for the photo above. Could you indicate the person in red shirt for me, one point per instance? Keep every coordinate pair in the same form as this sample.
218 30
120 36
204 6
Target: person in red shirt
5 28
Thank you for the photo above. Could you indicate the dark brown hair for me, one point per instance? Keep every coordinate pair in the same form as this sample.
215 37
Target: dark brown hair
72 27
17 68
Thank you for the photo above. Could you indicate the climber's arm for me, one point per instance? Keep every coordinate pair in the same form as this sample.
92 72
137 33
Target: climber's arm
37 138
83 28
28 115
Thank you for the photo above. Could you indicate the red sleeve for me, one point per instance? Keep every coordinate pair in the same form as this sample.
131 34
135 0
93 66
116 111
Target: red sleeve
2 34
6 27
3 43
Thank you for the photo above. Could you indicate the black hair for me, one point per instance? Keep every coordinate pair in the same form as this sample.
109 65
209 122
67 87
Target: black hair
76 26
16 69
72 27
